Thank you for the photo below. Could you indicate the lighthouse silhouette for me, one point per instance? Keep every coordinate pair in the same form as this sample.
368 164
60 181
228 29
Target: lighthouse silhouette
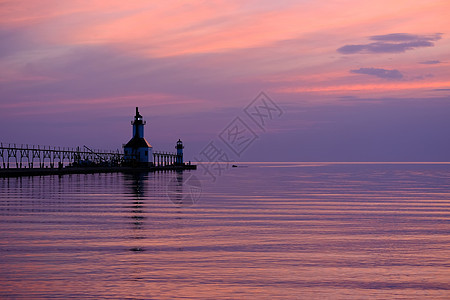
138 149
179 148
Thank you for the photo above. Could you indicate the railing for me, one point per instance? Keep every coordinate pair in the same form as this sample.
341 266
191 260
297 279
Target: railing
29 156
165 158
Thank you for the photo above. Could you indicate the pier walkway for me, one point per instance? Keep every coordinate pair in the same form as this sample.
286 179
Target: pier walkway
25 160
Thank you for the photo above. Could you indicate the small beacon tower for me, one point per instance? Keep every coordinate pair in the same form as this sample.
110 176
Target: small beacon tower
138 149
179 148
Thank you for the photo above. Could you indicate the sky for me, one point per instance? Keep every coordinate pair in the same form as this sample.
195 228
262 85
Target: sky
351 80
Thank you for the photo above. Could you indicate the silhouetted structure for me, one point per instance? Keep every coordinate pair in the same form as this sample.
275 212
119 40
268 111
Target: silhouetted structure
138 150
31 156
138 156
179 148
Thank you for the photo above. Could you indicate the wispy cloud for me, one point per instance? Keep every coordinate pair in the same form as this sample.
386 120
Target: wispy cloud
381 73
392 43
430 62
364 88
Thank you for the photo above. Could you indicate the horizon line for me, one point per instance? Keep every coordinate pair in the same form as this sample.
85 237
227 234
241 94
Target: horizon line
329 162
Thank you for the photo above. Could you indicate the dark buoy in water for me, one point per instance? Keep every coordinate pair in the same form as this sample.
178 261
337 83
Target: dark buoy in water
136 249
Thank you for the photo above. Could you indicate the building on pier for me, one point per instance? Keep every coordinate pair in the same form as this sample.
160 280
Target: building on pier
138 149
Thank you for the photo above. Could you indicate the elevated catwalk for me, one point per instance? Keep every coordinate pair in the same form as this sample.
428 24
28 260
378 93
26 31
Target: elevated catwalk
25 160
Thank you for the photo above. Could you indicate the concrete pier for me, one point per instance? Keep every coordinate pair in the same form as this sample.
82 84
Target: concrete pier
19 172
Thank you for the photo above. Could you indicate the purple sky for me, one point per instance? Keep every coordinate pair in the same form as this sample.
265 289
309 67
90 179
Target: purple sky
356 80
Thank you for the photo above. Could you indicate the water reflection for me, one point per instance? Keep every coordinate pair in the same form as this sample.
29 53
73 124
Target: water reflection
270 232
184 189
136 183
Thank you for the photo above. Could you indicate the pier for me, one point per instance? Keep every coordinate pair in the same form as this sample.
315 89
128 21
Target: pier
137 156
34 160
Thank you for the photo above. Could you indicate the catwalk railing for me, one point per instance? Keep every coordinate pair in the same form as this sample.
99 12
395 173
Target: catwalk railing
165 158
31 156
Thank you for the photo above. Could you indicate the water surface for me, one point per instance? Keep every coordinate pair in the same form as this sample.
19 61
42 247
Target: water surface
264 231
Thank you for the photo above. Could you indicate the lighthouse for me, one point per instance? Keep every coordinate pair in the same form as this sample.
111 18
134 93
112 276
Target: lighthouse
138 149
179 148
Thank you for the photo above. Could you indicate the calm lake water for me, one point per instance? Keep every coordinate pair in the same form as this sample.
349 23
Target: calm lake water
263 231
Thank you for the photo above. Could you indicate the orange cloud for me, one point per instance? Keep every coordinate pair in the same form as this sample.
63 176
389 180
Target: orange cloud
187 27
299 38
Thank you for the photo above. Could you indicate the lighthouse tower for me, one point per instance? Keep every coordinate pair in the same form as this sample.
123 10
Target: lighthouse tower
179 148
138 149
